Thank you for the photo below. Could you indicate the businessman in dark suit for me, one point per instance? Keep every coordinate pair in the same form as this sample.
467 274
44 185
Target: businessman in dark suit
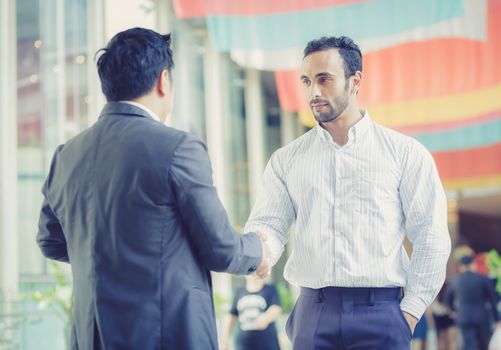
131 205
473 297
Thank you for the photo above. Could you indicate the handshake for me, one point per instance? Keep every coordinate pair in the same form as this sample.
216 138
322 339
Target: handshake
264 268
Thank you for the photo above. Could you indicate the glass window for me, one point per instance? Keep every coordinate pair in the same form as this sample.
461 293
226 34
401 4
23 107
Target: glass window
52 103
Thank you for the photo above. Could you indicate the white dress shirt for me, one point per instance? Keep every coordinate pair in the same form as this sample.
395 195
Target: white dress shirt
352 206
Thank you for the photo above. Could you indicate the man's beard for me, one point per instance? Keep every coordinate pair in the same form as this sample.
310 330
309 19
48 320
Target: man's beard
332 113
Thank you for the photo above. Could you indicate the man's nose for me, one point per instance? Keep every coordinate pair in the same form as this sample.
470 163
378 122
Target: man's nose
315 92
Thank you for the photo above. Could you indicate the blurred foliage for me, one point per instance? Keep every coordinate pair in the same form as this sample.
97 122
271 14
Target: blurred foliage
221 304
286 297
58 298
494 264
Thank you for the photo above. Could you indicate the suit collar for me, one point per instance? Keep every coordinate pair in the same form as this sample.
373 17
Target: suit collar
111 108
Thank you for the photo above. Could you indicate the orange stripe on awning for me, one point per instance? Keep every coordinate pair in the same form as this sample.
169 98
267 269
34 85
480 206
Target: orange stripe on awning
203 8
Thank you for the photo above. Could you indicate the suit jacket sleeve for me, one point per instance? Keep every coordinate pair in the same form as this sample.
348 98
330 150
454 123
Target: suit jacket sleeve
217 245
491 296
50 236
450 297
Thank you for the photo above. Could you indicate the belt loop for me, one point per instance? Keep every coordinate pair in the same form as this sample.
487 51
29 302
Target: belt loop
320 295
371 297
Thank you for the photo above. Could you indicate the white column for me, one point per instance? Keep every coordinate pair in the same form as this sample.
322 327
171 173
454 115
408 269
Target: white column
186 108
216 106
163 16
254 110
216 102
288 122
96 40
120 15
8 153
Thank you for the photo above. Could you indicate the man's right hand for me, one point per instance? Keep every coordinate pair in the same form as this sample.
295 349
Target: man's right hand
264 268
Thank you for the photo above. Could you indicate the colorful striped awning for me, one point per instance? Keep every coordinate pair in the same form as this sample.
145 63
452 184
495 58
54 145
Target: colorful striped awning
432 69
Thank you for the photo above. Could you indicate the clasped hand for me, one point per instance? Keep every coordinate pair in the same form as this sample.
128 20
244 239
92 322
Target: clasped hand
264 268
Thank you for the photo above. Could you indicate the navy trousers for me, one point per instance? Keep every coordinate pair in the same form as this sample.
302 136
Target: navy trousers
476 336
334 318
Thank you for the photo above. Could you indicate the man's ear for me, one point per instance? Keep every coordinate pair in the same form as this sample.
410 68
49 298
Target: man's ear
356 82
164 83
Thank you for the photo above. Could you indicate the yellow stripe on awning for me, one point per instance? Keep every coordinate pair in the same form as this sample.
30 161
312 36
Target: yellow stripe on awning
481 182
438 109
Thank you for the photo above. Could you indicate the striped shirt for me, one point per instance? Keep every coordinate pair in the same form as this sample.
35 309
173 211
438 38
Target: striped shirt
352 207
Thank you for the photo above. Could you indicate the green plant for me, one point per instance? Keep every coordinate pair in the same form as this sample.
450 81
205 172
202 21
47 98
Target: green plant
493 262
221 304
59 297
286 298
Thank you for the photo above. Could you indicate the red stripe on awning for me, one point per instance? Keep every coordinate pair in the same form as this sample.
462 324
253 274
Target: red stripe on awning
440 126
474 162
290 91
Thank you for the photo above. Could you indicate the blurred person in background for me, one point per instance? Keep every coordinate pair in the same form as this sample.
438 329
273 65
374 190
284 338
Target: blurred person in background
421 332
354 189
131 205
255 308
472 297
445 325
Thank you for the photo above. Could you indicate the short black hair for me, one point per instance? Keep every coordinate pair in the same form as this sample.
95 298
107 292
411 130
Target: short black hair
466 260
349 51
132 61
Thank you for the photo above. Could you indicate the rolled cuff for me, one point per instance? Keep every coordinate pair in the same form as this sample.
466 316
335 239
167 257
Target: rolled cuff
413 305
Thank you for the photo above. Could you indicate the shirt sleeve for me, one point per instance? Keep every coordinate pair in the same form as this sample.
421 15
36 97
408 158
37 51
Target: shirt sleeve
273 213
273 297
216 244
425 210
450 296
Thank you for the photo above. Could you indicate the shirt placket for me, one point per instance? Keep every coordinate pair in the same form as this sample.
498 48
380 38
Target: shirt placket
340 240
334 205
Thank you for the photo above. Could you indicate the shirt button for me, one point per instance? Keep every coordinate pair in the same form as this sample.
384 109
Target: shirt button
251 269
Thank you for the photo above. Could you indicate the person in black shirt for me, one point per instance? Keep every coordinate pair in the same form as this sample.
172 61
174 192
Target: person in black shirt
255 307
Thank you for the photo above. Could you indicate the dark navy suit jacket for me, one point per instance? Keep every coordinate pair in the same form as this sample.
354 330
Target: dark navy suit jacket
131 205
474 297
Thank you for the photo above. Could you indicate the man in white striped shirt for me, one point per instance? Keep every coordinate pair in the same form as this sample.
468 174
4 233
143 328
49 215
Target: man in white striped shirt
354 190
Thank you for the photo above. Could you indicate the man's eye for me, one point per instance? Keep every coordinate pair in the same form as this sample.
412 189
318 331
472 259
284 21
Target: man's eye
306 82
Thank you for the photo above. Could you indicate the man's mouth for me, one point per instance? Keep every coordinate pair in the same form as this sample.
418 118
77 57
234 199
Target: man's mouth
318 105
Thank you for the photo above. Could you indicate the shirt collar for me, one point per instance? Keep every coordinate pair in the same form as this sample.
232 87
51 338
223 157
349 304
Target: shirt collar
144 108
354 133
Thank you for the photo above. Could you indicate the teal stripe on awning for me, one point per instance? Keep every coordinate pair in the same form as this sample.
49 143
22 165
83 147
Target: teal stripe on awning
360 21
479 135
